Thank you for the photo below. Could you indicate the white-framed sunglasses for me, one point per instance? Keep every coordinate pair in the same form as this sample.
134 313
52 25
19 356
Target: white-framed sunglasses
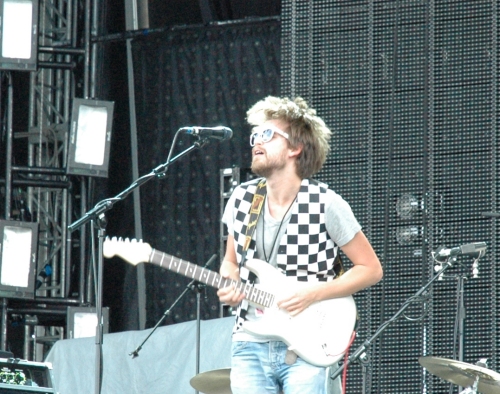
265 133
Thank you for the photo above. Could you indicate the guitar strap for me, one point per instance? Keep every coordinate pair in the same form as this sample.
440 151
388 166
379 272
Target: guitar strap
255 209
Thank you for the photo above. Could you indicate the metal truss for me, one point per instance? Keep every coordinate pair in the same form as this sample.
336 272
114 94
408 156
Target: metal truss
46 191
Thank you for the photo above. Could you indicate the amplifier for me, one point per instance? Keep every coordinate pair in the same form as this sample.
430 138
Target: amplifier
23 377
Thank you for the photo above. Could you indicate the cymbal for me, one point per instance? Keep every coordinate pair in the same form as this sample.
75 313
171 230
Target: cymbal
463 374
212 382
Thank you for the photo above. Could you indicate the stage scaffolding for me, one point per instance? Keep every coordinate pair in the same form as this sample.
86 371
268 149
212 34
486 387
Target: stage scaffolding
39 186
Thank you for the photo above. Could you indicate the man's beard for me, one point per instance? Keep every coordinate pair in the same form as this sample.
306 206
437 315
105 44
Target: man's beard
261 170
267 167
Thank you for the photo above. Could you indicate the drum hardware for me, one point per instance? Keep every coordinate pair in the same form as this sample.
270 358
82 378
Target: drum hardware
475 378
445 259
212 382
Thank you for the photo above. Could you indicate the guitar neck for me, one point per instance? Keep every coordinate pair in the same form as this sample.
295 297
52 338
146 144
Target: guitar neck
210 278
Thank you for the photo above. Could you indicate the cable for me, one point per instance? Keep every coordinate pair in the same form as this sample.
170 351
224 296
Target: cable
346 357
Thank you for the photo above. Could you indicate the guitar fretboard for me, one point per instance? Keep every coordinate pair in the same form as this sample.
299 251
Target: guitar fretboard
210 278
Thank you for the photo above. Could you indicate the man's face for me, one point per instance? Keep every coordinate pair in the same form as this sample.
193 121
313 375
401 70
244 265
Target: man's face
270 151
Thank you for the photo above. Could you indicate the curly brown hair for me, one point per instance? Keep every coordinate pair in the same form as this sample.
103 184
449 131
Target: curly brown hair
306 129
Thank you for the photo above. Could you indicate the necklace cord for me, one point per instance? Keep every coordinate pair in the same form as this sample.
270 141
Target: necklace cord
277 232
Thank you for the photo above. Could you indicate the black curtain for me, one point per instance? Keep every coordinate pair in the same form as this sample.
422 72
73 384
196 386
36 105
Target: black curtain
204 76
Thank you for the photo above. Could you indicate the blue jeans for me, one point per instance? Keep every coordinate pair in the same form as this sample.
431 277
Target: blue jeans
260 368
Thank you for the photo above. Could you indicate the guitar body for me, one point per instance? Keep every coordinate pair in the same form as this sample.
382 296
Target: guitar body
320 334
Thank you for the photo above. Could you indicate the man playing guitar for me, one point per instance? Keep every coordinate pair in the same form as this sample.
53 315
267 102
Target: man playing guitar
296 225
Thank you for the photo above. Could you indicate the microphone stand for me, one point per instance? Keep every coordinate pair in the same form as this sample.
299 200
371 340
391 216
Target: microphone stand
360 351
98 214
459 332
198 287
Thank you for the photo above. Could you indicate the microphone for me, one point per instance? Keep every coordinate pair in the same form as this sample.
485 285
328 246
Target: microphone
220 133
476 249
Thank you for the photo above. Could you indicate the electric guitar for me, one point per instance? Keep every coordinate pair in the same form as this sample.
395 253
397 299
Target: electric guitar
320 334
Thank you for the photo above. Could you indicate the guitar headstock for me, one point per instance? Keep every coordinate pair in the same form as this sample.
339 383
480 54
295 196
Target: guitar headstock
131 250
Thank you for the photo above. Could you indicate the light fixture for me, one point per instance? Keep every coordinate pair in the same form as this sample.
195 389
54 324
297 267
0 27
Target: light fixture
82 321
18 255
19 34
90 137
407 205
407 235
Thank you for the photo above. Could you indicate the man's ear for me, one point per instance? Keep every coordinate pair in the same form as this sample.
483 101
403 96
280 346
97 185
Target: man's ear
295 151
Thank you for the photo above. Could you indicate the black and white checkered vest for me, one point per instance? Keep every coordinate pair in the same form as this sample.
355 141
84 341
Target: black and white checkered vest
305 251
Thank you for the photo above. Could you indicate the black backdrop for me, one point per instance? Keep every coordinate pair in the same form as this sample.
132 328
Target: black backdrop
411 89
184 77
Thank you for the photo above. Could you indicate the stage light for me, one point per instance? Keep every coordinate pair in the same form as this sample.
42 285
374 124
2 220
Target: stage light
82 321
19 34
18 255
407 205
90 137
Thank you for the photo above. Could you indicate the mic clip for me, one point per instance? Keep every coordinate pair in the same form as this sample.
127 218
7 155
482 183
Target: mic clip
449 256
201 141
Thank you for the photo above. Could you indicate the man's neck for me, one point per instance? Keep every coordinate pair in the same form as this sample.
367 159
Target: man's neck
282 190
